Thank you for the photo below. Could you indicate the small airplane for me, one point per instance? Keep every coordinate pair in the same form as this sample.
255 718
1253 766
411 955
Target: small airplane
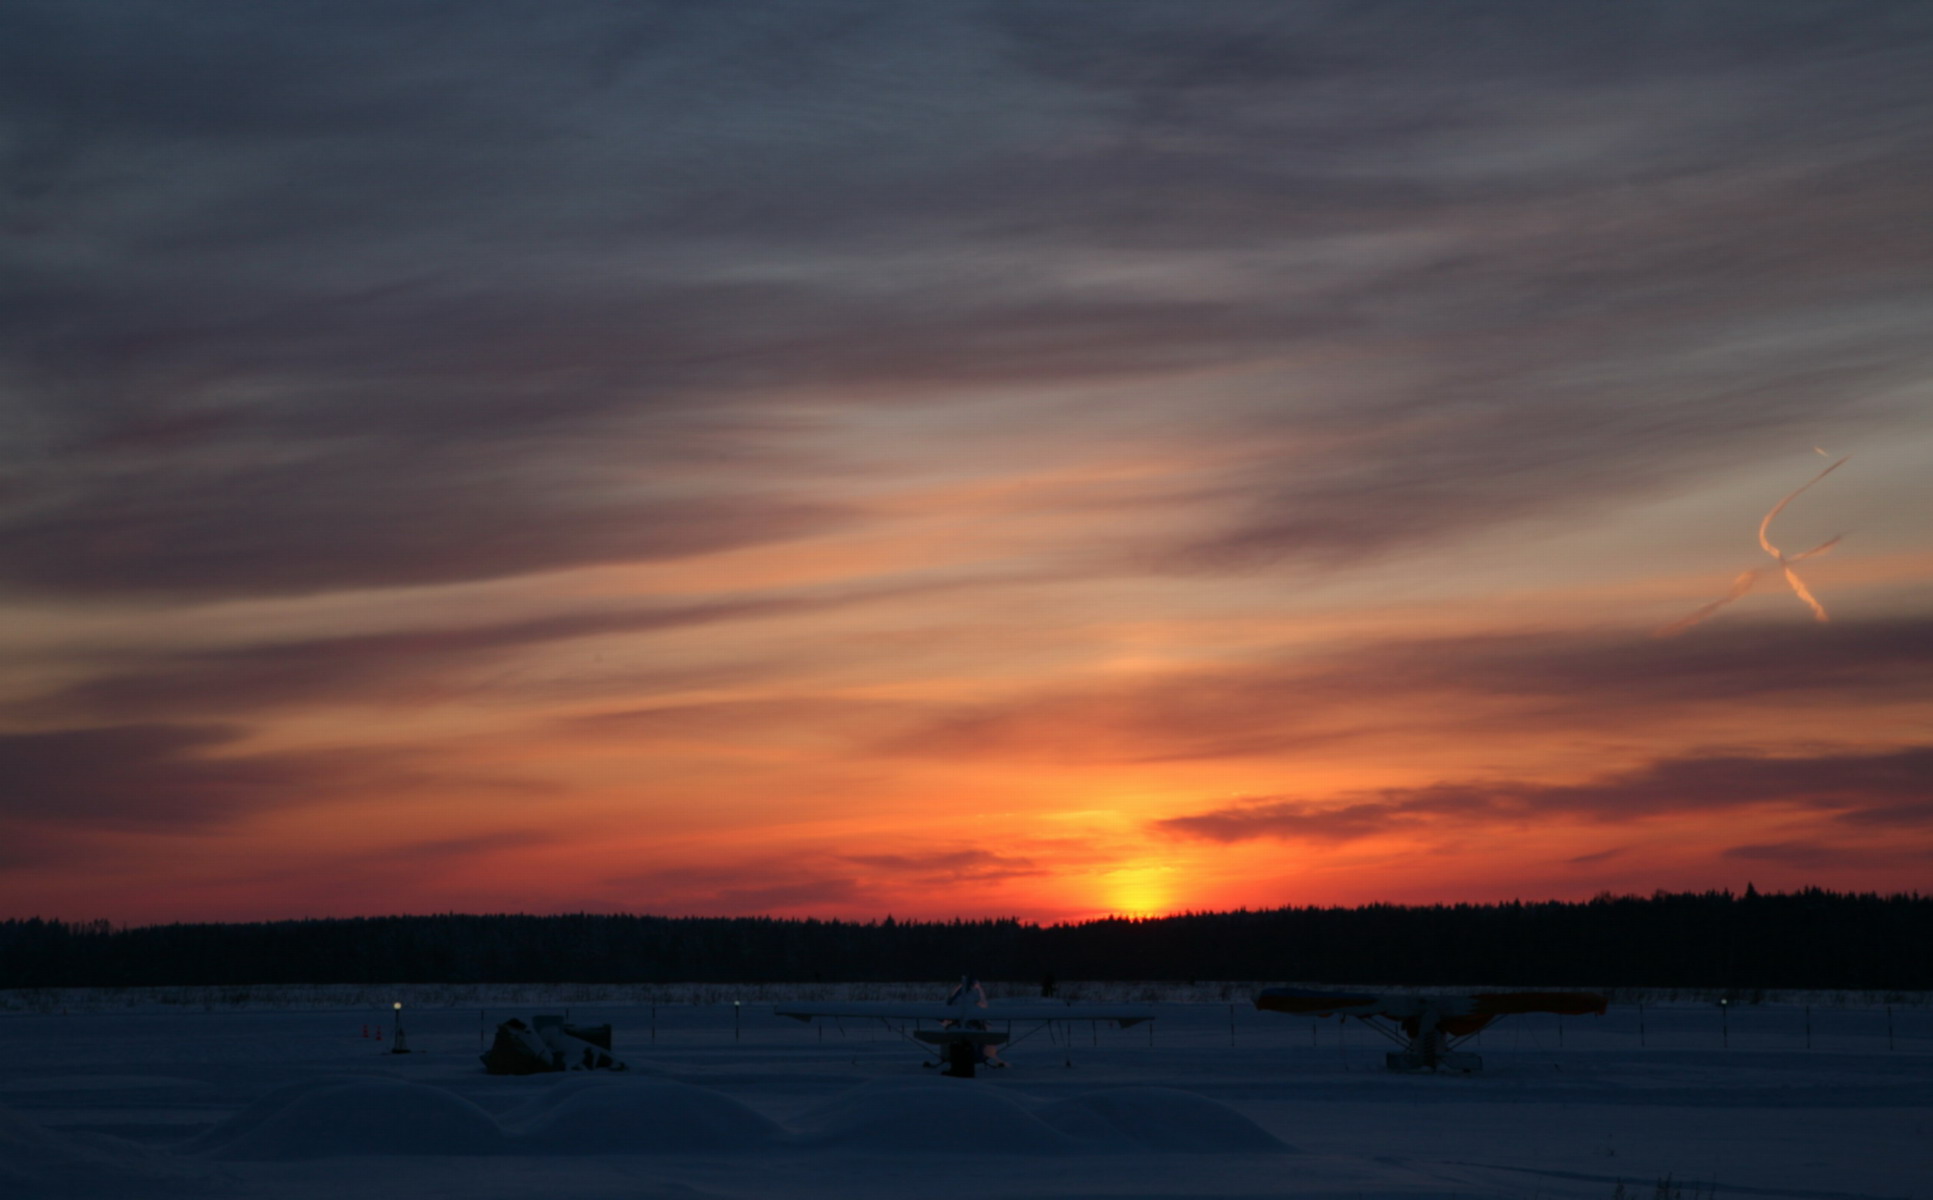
961 1034
1428 1025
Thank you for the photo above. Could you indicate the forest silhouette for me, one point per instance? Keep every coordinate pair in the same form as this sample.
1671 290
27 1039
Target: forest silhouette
1804 939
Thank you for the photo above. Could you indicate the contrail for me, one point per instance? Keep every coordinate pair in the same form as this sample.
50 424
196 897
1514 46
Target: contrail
1744 583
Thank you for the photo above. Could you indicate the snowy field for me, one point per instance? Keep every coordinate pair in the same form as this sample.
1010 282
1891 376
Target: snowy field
1826 1102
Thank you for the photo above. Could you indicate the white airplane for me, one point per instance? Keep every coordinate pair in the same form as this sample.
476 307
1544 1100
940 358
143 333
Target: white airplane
1428 1025
962 1034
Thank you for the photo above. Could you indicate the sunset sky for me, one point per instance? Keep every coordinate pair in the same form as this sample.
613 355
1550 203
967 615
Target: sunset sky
1042 459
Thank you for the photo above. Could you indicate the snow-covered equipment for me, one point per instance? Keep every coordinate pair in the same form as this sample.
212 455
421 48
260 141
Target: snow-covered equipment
1429 1026
550 1044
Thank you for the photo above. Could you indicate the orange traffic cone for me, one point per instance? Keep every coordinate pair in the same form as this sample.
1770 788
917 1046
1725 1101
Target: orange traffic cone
379 1033
365 1031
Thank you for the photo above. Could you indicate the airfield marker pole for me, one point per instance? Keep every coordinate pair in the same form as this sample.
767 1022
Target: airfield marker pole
1889 1027
1640 1024
735 1036
1808 1027
1725 1024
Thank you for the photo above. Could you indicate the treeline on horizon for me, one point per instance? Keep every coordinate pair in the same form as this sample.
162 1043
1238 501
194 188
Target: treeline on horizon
1805 939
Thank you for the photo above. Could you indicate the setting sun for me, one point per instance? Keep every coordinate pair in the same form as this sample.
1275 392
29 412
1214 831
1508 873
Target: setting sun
1139 891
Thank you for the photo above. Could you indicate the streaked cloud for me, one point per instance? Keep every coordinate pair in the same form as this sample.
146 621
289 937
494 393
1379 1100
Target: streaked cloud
398 667
1809 855
1840 784
1546 680
186 777
761 424
746 888
950 866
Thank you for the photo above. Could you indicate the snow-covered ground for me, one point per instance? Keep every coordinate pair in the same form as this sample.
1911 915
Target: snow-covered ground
260 1100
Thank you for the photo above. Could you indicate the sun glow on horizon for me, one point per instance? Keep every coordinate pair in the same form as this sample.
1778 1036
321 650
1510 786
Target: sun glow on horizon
1140 890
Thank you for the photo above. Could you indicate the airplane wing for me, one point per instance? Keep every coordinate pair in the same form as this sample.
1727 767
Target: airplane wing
1312 1002
1315 1003
1570 1004
934 1011
1426 1024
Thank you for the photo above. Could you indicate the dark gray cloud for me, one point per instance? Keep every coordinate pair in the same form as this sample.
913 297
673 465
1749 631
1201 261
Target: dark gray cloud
1912 814
1876 660
1839 784
181 778
1814 856
806 714
147 776
349 295
783 897
435 663
1585 860
367 528
744 889
1794 854
30 847
948 866
396 667
1541 681
432 854
815 881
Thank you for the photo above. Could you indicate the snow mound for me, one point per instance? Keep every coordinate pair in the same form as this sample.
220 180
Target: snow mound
27 1148
226 1131
1159 1118
39 1162
645 1116
361 1117
549 1091
932 1117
